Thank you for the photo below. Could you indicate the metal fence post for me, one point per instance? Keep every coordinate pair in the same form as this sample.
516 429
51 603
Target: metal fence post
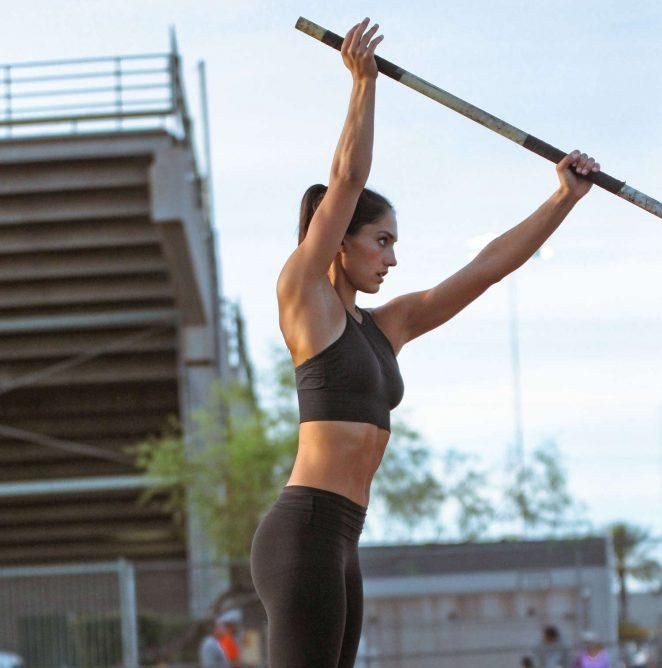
129 613
8 110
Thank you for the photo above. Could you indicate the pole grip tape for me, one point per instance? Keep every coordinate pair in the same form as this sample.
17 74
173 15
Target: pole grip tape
555 155
335 41
538 146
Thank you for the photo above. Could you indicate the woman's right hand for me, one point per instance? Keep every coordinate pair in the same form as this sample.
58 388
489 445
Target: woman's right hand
358 52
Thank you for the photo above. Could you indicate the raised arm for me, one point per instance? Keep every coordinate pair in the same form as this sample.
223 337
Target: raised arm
420 312
351 163
513 248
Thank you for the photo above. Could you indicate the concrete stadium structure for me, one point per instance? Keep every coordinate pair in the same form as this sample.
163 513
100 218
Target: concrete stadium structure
109 312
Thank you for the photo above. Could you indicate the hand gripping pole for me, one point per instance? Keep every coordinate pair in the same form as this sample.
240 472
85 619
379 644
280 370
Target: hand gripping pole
493 123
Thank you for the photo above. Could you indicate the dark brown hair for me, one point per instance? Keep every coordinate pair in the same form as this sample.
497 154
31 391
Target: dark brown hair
369 208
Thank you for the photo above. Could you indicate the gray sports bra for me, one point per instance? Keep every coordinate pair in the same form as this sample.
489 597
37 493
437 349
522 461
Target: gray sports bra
356 378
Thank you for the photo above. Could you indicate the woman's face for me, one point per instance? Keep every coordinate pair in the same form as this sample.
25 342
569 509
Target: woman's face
369 253
593 648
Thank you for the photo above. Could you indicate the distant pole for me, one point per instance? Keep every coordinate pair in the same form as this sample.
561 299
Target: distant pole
204 108
220 339
519 451
659 487
518 448
518 445
537 146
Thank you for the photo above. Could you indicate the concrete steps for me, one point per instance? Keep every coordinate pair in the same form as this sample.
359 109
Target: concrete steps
60 176
143 288
39 207
52 346
102 264
66 236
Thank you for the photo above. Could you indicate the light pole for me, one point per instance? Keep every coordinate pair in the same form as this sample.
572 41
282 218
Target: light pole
476 244
518 446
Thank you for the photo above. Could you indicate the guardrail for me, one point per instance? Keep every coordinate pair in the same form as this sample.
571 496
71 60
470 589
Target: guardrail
128 91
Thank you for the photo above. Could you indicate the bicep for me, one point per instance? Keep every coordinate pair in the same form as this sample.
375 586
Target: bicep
326 230
426 310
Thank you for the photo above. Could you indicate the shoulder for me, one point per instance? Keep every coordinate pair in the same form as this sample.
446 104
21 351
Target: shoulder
389 318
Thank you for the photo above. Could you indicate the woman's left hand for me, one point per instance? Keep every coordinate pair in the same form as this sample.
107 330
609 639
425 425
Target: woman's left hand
569 169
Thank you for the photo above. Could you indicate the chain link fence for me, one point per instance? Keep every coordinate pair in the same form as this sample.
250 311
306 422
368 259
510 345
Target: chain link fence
123 615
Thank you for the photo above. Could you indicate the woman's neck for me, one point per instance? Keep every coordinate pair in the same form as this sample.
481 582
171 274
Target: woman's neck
346 292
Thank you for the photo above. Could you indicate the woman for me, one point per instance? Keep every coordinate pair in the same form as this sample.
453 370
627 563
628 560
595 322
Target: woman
304 557
593 655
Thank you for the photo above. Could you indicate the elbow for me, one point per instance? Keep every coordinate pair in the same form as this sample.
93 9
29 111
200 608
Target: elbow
348 177
493 276
350 172
489 270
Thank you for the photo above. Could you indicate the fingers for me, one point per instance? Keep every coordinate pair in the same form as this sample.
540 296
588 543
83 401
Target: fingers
350 32
581 163
350 36
358 40
358 33
358 49
373 44
365 40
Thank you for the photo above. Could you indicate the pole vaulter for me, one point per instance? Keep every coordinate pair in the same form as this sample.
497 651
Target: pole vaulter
541 148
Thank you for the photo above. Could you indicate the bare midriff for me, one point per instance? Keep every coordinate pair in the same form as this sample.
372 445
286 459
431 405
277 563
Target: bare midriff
339 456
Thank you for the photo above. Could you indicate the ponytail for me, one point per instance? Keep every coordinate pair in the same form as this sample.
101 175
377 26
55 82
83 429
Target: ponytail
369 207
309 202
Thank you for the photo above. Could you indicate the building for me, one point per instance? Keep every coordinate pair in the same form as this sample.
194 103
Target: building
481 604
111 324
645 610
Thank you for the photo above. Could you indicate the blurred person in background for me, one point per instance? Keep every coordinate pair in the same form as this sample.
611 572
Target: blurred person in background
218 649
227 629
593 655
551 652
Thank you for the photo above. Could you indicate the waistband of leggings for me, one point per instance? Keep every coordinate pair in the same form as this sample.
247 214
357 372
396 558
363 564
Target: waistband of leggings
331 512
339 500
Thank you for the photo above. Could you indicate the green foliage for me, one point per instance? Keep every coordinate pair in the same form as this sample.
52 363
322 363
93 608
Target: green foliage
468 487
632 545
404 483
238 456
164 461
230 470
537 495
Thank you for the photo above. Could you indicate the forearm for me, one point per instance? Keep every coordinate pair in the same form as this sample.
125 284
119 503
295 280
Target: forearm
513 248
353 155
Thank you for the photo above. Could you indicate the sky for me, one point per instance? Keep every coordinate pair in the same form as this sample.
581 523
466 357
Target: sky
577 75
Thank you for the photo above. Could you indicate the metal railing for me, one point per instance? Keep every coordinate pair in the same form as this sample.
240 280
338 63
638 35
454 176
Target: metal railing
78 615
94 94
107 615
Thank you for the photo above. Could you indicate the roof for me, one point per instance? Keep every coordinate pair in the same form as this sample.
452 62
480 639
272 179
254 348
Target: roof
444 558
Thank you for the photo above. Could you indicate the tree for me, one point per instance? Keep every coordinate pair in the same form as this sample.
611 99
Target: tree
406 488
231 478
410 494
245 454
468 489
632 545
537 495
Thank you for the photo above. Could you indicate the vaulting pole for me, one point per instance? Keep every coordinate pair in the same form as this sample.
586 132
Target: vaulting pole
495 124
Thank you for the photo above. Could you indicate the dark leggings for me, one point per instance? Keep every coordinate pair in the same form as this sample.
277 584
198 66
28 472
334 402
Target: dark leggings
305 568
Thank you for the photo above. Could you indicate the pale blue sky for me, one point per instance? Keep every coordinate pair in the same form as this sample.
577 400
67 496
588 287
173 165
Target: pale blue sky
578 75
